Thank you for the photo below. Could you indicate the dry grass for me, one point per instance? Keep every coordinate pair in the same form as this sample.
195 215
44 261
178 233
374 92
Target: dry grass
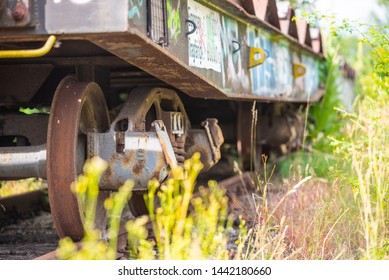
368 148
8 188
306 219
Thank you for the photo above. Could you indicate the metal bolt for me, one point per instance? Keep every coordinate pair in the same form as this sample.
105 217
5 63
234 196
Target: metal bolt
19 12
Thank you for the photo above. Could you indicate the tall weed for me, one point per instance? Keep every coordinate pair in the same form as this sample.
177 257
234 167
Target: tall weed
308 219
184 226
8 188
360 147
93 246
366 146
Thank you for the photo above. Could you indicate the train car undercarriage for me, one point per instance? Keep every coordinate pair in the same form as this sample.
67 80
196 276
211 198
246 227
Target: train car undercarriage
138 94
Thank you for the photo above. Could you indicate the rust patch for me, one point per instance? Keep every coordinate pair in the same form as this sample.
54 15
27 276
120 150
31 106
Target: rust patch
140 164
128 159
137 169
109 172
160 164
62 148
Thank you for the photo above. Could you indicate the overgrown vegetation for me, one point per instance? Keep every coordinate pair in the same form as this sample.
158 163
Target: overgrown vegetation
357 144
183 234
201 233
365 147
305 220
93 246
8 188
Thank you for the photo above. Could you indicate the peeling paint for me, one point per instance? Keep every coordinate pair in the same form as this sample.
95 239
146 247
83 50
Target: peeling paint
260 75
235 75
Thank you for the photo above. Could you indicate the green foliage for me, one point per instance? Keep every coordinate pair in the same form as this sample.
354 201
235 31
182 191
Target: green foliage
185 227
92 246
8 188
30 111
327 119
358 142
362 147
366 147
180 233
307 163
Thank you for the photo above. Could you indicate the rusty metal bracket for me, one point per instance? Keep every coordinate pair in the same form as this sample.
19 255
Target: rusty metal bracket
299 70
138 145
215 137
254 61
140 159
167 147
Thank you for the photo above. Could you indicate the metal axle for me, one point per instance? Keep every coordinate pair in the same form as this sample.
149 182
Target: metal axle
23 162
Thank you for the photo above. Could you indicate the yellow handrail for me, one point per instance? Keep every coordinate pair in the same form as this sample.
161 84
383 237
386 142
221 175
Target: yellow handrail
30 53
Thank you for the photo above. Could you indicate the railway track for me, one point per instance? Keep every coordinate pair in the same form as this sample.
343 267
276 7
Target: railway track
28 238
26 227
23 205
33 235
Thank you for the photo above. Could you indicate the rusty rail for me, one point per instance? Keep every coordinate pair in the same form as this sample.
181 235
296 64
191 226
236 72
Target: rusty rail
21 205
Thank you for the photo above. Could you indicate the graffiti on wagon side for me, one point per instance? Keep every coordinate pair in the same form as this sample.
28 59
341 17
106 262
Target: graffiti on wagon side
205 43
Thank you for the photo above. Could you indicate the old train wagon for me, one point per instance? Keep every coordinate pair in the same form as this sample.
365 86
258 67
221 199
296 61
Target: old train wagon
144 84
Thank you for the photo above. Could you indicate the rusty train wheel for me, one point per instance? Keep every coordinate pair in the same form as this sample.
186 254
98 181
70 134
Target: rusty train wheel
77 107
